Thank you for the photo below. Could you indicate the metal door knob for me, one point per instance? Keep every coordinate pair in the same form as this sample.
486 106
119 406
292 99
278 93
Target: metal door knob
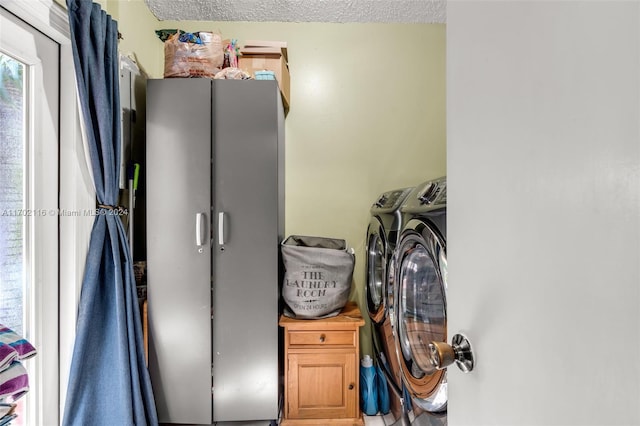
442 355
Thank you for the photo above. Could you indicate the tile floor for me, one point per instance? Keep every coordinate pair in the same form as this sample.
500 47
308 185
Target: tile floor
374 421
378 420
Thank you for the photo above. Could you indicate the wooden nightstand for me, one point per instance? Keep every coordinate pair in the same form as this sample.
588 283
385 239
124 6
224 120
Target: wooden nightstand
321 369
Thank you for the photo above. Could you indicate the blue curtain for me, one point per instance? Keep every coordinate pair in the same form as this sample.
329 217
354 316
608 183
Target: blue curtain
109 383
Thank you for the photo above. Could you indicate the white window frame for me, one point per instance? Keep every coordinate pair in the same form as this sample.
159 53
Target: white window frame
76 193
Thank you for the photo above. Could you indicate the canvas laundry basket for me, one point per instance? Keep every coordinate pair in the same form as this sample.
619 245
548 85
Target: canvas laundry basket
317 277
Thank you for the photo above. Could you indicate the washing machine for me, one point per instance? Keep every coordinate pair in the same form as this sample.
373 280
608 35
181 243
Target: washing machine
421 298
382 237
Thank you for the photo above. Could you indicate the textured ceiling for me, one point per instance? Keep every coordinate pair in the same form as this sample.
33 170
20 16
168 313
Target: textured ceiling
341 11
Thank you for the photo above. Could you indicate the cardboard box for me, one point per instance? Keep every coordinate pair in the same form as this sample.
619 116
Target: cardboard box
267 44
274 61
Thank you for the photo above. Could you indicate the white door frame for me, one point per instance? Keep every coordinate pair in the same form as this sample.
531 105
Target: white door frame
76 193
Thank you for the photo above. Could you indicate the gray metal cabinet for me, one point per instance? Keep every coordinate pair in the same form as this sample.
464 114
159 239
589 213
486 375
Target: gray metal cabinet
215 218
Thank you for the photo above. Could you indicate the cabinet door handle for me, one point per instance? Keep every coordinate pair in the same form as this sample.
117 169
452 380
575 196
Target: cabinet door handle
199 230
221 228
351 386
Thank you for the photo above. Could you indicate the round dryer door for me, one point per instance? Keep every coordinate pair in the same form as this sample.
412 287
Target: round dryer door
376 270
421 311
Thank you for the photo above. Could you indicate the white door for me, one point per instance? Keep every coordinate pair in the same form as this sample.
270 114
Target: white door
29 109
544 211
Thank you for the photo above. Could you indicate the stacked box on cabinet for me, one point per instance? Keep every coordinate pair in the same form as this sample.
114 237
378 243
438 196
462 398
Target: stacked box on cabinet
257 55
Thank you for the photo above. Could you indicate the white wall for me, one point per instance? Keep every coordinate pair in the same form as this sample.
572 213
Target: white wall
544 211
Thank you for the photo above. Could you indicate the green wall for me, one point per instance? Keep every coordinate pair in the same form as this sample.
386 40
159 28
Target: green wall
367 114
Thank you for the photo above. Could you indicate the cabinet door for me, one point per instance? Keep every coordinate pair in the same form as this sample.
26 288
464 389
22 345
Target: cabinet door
178 253
246 247
322 385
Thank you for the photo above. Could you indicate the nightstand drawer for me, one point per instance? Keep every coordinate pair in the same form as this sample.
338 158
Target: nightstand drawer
324 338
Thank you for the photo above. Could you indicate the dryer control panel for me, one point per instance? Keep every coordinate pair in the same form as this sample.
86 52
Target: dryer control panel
434 193
391 200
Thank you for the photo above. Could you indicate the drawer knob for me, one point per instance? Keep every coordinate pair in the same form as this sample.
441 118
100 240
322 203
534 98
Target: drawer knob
322 338
351 386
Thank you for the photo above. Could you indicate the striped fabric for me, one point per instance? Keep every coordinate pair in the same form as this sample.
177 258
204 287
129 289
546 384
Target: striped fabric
14 383
7 356
11 341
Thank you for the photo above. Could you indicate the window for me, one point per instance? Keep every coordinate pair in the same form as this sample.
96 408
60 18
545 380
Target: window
12 197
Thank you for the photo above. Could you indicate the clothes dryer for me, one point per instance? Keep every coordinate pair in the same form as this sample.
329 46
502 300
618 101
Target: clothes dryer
382 237
421 298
